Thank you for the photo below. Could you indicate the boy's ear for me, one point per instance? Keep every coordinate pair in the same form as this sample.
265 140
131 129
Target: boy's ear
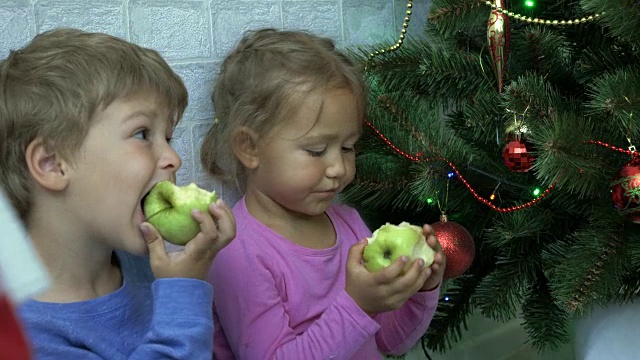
244 143
47 168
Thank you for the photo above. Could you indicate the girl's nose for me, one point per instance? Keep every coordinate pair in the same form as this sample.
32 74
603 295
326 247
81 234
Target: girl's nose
336 167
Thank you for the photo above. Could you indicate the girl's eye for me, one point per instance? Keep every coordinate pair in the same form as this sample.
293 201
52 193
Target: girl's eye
348 149
142 134
315 153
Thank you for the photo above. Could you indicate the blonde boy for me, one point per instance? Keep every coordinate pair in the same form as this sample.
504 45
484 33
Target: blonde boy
85 125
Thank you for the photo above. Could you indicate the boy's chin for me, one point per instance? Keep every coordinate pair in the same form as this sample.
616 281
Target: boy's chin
139 248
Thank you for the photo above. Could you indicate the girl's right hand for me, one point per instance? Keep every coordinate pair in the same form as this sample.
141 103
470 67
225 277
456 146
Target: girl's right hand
384 290
195 259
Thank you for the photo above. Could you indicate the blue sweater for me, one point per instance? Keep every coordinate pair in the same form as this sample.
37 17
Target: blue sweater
144 319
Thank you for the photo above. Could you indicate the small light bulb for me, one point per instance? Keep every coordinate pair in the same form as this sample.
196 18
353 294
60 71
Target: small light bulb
536 192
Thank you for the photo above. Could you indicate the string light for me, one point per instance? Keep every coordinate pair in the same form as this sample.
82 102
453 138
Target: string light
529 3
493 194
537 192
420 158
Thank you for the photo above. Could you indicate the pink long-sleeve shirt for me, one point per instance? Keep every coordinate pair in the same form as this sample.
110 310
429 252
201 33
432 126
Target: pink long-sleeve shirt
274 299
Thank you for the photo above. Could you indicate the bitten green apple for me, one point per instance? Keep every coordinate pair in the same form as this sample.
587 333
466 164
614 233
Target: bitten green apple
168 208
389 242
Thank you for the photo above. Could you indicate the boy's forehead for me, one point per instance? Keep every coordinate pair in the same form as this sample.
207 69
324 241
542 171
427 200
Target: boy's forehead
136 105
144 95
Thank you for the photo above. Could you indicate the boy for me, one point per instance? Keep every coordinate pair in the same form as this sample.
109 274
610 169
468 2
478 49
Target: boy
85 125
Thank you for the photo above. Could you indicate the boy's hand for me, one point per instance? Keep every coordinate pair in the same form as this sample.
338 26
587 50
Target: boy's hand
384 290
195 259
439 260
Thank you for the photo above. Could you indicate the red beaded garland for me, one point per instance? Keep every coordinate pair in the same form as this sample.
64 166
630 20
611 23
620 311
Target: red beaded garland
419 157
617 196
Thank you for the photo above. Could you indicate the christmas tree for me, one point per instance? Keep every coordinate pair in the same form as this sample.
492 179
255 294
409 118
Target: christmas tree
516 121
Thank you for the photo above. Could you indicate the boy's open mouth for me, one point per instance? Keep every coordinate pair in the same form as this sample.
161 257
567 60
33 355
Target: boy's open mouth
142 204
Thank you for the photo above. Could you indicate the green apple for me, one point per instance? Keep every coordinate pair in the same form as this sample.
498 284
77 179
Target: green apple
168 207
389 242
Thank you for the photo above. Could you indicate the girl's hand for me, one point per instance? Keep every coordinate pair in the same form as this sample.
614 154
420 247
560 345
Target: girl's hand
384 290
439 260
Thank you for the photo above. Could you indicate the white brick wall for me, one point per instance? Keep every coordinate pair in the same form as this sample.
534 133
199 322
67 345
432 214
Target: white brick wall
194 36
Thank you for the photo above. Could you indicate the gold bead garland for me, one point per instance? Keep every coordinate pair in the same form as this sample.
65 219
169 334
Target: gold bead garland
511 14
531 20
403 34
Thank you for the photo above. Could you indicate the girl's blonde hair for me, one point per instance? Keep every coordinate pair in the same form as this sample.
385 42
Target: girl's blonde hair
52 88
263 81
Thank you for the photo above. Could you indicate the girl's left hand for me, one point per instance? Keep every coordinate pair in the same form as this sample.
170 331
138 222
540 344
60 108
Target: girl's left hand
439 260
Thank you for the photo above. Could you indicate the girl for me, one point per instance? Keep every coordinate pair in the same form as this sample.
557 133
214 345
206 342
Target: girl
291 285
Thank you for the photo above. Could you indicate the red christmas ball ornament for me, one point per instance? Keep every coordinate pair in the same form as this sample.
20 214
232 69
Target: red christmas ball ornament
517 156
625 191
457 244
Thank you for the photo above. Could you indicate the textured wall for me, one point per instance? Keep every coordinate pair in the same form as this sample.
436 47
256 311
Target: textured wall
194 36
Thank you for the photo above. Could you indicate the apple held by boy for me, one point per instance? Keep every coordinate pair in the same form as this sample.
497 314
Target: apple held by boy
168 208
389 242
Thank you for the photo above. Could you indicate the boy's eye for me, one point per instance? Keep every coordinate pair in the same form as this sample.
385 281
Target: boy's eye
142 134
316 153
348 149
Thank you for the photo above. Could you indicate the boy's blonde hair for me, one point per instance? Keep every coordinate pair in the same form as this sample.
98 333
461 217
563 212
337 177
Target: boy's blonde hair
52 88
263 81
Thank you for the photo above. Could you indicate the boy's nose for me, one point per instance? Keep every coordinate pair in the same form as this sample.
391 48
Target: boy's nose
170 159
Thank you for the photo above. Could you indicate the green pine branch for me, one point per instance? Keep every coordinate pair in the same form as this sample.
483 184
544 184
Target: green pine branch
433 105
544 321
620 17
